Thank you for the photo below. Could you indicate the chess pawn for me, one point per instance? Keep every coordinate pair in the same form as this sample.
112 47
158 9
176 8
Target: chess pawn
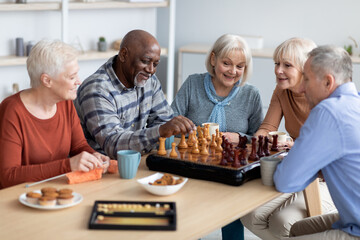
223 161
217 133
213 142
162 150
236 163
195 148
173 152
253 156
204 150
218 147
182 143
243 160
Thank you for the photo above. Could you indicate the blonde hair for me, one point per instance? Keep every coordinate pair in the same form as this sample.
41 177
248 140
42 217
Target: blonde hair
296 50
223 46
50 57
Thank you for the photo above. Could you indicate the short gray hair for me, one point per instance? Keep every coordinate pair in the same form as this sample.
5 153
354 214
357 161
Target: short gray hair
223 46
295 49
333 60
50 57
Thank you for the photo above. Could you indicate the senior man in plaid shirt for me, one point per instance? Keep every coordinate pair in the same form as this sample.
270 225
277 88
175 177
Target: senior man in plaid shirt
122 105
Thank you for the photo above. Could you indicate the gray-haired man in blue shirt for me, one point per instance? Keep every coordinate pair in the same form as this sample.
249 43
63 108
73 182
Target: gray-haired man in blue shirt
122 105
329 141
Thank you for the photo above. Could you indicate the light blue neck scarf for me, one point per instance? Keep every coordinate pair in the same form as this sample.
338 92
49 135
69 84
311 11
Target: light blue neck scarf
218 113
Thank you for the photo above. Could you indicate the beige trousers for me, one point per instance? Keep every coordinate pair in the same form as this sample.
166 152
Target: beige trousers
319 228
274 219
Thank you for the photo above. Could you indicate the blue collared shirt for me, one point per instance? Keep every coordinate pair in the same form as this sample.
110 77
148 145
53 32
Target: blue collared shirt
329 141
115 117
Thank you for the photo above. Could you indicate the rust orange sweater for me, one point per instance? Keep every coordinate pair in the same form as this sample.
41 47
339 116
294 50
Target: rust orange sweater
33 149
293 106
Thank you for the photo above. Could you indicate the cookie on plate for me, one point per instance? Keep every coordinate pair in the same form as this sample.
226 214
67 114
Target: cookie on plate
33 197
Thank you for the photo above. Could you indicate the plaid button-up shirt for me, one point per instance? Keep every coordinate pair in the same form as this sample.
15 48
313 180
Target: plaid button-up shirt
114 117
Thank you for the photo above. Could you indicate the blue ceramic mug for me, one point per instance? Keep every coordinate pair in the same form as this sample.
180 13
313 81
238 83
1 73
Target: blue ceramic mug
168 142
128 163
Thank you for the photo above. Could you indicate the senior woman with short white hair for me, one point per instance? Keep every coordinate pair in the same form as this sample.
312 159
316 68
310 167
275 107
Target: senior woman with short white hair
222 95
40 132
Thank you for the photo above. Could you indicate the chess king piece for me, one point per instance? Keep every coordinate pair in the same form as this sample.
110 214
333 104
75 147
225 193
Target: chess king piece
207 132
274 146
162 150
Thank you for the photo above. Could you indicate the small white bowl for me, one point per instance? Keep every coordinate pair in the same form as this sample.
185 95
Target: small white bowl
160 190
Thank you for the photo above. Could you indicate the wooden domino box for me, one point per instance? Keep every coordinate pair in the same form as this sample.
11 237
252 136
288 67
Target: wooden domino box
126 215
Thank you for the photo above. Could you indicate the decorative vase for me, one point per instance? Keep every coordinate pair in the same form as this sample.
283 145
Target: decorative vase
102 46
19 49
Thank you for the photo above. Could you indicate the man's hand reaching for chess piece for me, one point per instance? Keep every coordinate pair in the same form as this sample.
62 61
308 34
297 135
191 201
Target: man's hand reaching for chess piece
177 125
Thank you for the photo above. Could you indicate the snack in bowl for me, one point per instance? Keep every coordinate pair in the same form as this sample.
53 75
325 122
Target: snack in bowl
33 197
167 179
162 184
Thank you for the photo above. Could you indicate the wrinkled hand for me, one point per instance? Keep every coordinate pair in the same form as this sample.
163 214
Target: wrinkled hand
287 144
85 162
177 125
232 137
104 159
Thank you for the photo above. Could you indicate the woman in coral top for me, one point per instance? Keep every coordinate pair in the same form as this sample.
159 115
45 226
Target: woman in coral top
40 132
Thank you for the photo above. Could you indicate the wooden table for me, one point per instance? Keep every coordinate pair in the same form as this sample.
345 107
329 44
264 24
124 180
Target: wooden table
202 207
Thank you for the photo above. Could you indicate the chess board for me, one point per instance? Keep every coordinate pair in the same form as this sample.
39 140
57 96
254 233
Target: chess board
205 167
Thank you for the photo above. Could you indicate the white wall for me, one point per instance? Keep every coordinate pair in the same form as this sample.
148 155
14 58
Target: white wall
324 21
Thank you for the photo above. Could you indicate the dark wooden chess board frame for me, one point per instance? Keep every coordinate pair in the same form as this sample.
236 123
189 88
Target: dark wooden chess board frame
205 167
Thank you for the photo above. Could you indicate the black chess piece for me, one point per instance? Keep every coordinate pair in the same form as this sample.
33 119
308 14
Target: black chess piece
253 156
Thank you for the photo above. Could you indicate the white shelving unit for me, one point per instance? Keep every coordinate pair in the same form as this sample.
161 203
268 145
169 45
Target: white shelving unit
65 7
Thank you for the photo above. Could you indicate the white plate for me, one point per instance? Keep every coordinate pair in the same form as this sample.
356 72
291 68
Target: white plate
160 190
77 199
